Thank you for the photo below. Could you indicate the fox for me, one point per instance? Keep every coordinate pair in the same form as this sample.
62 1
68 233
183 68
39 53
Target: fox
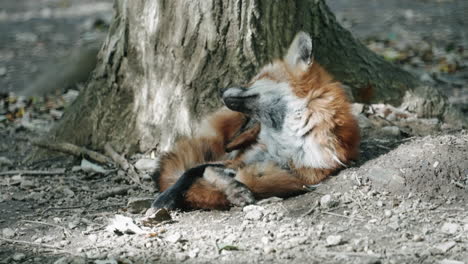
280 134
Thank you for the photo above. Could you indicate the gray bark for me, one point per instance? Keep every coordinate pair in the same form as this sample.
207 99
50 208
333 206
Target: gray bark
163 61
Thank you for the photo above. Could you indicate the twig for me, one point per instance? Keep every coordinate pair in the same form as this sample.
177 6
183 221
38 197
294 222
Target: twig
47 224
345 216
311 210
33 172
13 241
125 165
74 150
64 208
121 161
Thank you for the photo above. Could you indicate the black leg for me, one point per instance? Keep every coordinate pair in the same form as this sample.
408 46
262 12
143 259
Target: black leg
173 197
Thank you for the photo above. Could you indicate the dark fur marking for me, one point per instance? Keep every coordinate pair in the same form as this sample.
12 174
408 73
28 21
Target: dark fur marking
173 197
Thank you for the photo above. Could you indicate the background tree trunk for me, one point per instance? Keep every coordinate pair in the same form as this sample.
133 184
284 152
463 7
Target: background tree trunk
163 61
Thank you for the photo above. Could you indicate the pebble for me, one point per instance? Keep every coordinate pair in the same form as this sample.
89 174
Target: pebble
174 238
450 228
328 201
253 212
334 240
146 164
450 261
446 246
8 233
19 256
138 204
388 213
5 161
391 130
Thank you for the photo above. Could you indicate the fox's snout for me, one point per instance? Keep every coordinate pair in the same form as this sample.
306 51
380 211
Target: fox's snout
238 99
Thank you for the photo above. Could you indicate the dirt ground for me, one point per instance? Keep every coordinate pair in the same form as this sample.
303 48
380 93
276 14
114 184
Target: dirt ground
404 201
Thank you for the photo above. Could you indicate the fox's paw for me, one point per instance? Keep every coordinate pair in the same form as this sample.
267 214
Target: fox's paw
238 194
223 178
167 199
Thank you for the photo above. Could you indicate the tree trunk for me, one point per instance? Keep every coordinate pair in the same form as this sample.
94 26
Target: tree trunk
163 61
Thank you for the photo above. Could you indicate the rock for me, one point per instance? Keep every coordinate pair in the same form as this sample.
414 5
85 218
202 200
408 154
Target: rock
106 261
146 164
19 256
137 205
363 121
334 240
155 216
357 108
450 261
253 212
392 131
8 233
3 71
91 167
388 178
5 162
174 238
328 201
388 213
450 228
124 225
25 184
446 246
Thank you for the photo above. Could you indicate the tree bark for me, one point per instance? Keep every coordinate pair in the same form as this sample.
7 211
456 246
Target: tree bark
163 62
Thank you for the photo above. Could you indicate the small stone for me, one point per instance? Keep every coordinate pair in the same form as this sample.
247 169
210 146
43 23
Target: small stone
146 164
5 162
418 238
25 184
268 249
174 238
446 246
357 108
253 212
8 233
139 204
380 203
391 131
450 228
450 261
328 201
334 240
155 216
19 256
388 213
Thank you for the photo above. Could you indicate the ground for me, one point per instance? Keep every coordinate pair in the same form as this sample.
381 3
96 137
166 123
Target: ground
403 201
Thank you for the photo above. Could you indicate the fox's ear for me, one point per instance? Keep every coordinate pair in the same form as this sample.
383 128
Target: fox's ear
299 56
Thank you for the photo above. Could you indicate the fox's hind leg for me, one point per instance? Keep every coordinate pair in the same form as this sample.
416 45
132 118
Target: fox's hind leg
208 186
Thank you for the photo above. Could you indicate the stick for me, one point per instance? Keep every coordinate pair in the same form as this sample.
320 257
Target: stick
125 165
74 150
65 208
33 172
29 243
345 216
121 161
48 224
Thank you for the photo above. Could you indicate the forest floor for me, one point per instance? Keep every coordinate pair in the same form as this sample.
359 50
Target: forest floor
404 201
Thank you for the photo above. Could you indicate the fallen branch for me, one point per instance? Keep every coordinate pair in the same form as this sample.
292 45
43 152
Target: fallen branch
33 172
13 241
65 230
74 150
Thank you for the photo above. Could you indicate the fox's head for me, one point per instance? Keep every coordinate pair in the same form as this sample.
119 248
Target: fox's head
273 93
